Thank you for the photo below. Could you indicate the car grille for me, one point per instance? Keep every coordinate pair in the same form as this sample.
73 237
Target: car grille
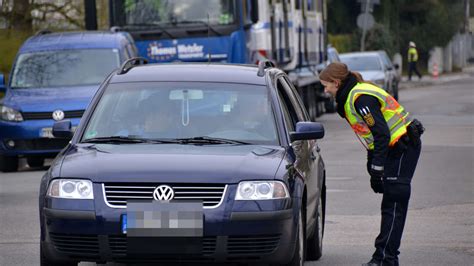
49 115
76 245
117 194
252 245
118 245
40 144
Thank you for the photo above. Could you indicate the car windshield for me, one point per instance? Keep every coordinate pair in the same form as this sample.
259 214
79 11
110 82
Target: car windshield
151 12
361 62
57 68
170 111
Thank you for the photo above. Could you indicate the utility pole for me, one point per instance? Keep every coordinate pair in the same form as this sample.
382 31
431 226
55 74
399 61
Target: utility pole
364 28
365 20
90 14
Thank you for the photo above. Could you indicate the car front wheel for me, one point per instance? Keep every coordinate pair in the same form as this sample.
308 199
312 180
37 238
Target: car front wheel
299 255
35 161
314 249
8 163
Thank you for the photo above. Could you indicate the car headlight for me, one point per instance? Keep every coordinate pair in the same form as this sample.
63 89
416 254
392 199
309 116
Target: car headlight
261 190
9 114
71 189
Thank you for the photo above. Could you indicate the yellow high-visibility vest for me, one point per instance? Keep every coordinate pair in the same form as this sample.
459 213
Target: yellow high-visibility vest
394 114
412 54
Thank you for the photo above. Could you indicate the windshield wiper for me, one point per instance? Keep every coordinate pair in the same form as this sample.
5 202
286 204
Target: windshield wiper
153 25
113 139
128 139
211 140
199 22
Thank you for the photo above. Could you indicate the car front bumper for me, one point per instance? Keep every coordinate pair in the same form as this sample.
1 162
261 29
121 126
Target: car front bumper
31 137
90 230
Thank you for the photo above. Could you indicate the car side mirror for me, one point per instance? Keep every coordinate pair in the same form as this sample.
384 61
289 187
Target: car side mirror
62 129
2 84
396 66
307 131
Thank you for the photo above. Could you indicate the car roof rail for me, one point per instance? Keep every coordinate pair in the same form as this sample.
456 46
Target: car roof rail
43 32
262 65
130 63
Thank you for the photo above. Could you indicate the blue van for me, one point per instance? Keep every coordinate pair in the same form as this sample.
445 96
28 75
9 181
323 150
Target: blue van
53 78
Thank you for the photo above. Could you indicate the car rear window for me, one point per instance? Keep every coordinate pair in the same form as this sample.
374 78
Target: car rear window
158 110
362 62
60 68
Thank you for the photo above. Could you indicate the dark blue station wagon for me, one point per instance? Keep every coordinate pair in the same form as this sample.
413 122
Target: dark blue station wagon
187 162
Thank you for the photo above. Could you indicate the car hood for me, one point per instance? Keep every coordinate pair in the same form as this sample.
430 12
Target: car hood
50 99
372 75
171 163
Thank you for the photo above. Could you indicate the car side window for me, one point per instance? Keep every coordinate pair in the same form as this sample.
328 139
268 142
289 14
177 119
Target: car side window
296 101
286 113
286 101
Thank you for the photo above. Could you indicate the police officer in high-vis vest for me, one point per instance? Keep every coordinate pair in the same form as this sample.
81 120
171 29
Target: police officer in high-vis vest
412 60
392 139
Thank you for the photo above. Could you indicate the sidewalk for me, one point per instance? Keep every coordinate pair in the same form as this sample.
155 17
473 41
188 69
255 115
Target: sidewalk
429 80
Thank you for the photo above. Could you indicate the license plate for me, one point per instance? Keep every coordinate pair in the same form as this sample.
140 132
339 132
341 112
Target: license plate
47 132
163 219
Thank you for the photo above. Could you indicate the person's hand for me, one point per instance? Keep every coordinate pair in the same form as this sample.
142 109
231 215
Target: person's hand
376 180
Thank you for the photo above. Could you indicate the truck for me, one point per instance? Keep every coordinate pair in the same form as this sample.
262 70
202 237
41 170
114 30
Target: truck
290 33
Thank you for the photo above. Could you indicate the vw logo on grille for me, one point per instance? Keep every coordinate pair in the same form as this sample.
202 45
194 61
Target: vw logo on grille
163 192
58 115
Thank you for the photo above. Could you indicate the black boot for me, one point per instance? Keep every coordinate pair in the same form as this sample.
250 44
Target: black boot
372 262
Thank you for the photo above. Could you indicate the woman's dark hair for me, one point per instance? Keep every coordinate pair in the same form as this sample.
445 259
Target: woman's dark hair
339 71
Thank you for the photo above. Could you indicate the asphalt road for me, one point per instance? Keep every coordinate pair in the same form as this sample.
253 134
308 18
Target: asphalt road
440 225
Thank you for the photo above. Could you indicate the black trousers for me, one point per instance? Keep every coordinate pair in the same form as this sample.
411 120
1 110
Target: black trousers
412 68
399 169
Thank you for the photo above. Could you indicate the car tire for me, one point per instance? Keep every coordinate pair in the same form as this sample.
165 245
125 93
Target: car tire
8 163
35 161
299 255
314 245
47 262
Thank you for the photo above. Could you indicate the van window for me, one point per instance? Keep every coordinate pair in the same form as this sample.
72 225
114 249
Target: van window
58 68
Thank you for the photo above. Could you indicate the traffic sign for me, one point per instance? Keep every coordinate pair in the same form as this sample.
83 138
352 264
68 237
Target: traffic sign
365 21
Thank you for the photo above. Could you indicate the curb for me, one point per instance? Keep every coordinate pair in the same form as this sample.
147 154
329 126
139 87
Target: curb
430 81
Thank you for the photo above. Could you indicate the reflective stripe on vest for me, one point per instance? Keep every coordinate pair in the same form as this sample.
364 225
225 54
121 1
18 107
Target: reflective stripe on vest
394 114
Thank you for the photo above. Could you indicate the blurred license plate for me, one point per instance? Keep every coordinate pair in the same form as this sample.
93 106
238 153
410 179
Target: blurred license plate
47 132
163 219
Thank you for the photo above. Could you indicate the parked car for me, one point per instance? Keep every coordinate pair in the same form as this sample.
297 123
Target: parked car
187 162
392 70
374 68
332 56
54 77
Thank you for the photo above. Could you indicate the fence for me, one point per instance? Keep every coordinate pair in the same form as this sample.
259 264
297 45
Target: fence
457 54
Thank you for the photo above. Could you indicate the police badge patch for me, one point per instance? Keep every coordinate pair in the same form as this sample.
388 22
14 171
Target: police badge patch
367 116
